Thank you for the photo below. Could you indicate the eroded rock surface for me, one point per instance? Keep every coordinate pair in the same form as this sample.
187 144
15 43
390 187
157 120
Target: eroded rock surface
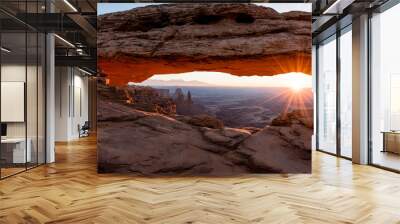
304 117
140 97
146 143
240 39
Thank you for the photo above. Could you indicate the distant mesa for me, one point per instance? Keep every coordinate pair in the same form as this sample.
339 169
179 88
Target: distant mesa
239 39
173 82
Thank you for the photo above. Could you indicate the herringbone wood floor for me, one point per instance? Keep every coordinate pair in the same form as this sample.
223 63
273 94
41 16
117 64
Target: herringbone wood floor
70 191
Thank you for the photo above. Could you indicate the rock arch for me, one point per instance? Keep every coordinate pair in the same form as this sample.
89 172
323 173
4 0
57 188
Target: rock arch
240 39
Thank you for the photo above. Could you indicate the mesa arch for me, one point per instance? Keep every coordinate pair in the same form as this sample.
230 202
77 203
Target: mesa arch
240 39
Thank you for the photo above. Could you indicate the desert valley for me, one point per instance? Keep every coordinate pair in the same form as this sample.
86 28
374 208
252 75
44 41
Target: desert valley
190 130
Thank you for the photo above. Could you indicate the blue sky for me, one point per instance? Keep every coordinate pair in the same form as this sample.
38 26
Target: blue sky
103 8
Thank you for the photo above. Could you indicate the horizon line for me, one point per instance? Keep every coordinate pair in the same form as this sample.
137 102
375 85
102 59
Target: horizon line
139 84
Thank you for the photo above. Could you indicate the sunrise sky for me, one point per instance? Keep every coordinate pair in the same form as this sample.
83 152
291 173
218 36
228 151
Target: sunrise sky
291 80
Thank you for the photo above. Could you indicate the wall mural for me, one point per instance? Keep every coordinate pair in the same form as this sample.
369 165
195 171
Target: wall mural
215 89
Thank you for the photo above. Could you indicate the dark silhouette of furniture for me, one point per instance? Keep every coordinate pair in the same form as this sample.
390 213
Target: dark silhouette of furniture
84 129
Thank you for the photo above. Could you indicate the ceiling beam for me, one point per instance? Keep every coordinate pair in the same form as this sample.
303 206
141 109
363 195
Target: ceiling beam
83 23
77 61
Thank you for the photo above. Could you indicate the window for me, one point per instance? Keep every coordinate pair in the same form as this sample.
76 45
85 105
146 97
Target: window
346 93
394 102
327 95
385 89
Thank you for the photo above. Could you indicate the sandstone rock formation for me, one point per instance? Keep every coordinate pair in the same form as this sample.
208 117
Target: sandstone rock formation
185 105
205 121
140 97
304 117
145 143
178 95
240 39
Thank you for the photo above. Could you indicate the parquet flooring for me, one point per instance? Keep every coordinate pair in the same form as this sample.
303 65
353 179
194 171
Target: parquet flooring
11 170
70 191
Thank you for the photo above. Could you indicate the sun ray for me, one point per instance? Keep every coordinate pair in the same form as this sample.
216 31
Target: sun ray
287 106
286 92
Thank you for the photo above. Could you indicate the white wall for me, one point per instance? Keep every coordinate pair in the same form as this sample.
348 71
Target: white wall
80 112
71 102
62 81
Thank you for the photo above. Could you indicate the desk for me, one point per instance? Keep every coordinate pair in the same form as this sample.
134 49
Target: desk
19 155
391 141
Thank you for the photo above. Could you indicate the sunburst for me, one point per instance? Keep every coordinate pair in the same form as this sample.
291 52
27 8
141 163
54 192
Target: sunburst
295 98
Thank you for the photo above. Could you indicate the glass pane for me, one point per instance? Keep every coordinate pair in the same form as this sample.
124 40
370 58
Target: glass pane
31 98
23 89
385 84
41 98
346 94
13 86
327 96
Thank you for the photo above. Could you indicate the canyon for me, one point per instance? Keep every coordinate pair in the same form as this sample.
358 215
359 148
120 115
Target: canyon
131 140
154 131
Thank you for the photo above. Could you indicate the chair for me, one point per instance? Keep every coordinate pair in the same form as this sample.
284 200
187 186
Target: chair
84 130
